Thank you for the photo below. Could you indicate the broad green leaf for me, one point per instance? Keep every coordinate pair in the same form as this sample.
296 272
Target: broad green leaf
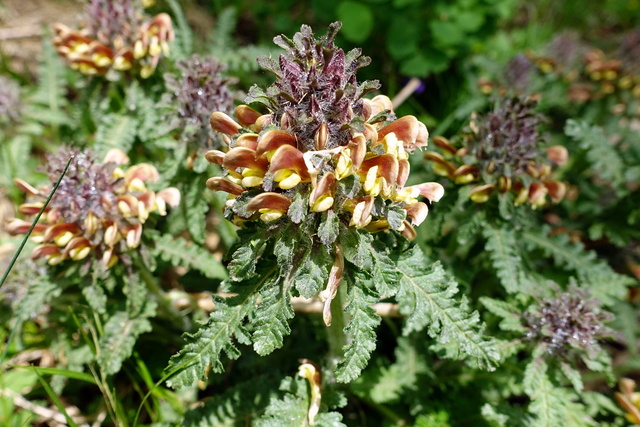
357 20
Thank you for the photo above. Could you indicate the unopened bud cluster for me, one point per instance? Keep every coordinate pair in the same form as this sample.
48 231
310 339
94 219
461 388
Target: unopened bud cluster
200 89
501 153
570 321
117 37
10 106
97 211
321 143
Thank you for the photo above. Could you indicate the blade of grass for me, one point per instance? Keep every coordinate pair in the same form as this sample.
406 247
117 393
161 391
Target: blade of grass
24 242
81 376
55 400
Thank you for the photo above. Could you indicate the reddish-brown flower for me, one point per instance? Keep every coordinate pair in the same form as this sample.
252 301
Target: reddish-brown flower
99 208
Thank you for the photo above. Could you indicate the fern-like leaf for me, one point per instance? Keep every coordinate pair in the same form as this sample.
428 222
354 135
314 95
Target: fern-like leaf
361 332
552 406
502 248
179 252
120 334
50 91
604 283
115 131
183 44
292 408
39 293
205 347
602 155
243 401
271 320
427 297
195 208
510 314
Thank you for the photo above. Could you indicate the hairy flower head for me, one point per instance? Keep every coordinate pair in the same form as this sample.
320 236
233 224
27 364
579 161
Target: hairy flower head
117 37
320 147
10 106
571 321
200 89
502 151
98 209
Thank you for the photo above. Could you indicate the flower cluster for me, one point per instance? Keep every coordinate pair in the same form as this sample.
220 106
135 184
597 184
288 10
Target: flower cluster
570 321
200 89
321 149
9 101
629 399
98 209
501 153
116 38
594 74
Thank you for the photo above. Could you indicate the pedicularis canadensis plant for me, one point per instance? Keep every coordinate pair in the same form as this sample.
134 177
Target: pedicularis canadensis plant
117 38
316 176
99 209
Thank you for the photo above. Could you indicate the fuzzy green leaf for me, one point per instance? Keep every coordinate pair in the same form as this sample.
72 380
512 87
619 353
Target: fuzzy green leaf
136 292
383 272
96 298
372 258
361 332
328 230
120 334
313 272
298 209
244 259
179 252
205 346
357 247
502 248
427 297
271 320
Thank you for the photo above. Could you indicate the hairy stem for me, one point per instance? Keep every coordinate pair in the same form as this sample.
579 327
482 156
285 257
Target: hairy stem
336 336
165 309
